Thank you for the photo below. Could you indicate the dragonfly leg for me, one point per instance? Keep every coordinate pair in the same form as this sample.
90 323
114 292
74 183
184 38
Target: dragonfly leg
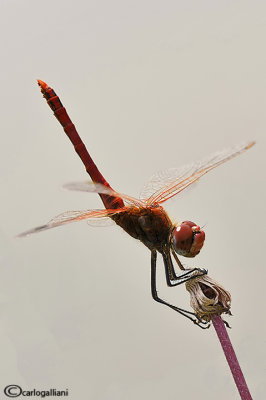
177 259
188 314
226 324
172 279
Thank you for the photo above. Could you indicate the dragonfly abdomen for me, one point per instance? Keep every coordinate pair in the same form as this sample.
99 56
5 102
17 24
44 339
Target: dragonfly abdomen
61 114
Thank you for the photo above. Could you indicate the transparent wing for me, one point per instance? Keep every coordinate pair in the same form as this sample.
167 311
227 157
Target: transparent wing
92 187
100 222
72 216
167 184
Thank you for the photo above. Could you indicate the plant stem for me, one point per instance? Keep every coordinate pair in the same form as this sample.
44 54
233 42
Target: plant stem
231 357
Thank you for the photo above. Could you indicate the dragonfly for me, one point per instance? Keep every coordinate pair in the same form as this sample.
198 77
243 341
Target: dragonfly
143 219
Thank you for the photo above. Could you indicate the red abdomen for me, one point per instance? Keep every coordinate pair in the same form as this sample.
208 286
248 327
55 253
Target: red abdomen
69 128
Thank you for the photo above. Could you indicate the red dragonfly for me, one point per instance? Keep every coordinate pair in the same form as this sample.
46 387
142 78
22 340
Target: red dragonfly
143 219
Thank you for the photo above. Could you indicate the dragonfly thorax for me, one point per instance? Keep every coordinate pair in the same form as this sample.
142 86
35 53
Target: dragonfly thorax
151 225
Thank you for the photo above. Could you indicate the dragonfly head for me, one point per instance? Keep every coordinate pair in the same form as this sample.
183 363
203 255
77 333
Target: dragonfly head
187 239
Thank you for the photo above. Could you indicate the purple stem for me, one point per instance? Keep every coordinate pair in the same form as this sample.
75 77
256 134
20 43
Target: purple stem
231 357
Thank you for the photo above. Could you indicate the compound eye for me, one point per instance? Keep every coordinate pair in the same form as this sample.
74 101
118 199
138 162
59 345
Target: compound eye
187 239
189 223
182 238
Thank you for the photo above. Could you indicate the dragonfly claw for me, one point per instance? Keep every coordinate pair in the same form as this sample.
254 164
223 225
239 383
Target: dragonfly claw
226 324
202 271
201 324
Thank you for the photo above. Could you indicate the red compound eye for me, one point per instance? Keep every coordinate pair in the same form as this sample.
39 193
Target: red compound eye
187 239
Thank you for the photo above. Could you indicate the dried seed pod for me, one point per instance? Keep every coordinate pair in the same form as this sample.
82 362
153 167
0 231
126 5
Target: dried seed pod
208 297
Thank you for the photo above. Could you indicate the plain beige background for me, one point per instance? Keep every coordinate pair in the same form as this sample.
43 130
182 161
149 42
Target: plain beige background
149 85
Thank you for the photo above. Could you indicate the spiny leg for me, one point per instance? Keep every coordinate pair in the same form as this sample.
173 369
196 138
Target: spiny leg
172 279
155 296
177 259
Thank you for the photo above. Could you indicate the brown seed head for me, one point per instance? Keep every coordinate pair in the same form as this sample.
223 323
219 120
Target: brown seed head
208 297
